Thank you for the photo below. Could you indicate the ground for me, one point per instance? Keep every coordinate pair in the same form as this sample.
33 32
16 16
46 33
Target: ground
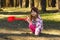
18 30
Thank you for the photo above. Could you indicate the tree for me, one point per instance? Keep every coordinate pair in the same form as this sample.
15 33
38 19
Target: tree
59 5
53 3
19 3
11 3
14 3
0 3
43 5
23 3
49 3
36 3
0 6
7 3
30 2
39 3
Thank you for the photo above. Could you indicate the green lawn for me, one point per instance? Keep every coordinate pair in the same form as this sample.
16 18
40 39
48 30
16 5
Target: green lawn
18 30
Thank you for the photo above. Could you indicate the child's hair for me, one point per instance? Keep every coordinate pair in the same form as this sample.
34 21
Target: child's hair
36 10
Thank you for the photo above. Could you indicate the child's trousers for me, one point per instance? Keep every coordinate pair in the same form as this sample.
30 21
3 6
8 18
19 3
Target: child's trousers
34 30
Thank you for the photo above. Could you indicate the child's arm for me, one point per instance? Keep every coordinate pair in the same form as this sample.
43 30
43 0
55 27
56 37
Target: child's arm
27 19
20 19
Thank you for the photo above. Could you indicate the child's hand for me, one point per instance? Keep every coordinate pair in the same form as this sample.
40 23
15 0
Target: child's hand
27 19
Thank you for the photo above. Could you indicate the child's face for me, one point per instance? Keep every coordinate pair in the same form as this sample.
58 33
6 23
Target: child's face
33 13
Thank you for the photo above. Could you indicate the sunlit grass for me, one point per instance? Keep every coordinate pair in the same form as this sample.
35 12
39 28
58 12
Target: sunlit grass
52 17
16 9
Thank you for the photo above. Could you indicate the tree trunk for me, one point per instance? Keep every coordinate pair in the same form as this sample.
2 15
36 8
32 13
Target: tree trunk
43 5
59 5
7 3
39 3
30 3
19 4
49 3
53 3
0 3
14 3
36 3
23 3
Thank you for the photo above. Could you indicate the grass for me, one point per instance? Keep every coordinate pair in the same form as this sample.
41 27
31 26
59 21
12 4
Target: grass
18 30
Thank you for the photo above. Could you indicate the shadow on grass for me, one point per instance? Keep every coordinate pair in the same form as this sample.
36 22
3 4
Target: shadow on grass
28 34
48 24
6 36
51 11
14 13
15 25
